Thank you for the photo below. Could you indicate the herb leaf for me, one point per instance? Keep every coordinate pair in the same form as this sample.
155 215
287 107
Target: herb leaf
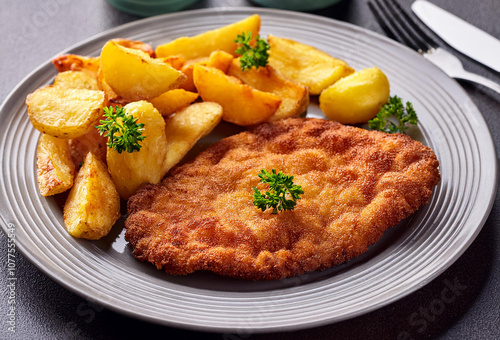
122 130
252 56
405 115
282 193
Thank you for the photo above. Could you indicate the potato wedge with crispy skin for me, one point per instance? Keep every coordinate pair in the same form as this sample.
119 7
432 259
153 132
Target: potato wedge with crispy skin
135 44
93 204
220 60
134 75
201 45
186 127
64 113
74 62
294 97
77 80
174 61
241 104
130 170
89 142
305 64
173 101
55 168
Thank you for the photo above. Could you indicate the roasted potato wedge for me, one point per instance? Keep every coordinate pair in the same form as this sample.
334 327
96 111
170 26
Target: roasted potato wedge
55 168
187 70
130 170
74 62
294 97
305 64
356 98
89 142
64 113
111 98
174 61
93 204
77 80
134 75
203 44
220 60
173 100
135 44
241 104
186 127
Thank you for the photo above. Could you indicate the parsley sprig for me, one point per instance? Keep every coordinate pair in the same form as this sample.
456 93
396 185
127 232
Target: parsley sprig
122 130
404 114
282 194
252 56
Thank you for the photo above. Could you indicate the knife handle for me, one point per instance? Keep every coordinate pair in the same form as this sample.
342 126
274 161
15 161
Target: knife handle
475 78
452 66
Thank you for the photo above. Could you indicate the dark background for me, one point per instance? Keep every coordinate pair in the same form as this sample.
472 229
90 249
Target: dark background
35 31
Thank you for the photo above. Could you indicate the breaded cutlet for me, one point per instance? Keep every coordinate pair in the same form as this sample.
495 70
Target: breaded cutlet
356 184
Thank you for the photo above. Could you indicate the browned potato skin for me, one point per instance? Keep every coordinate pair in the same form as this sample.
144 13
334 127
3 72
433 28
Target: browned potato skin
295 97
174 61
241 104
220 60
64 113
93 204
74 62
135 44
55 168
89 142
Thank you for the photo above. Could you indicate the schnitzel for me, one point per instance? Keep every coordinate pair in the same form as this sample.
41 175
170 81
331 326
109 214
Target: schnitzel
356 184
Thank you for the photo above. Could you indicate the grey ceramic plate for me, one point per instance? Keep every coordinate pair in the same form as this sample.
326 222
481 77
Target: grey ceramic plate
406 258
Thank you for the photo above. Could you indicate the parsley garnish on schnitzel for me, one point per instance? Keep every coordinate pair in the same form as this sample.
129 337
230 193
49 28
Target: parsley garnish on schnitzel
251 56
405 115
282 193
122 130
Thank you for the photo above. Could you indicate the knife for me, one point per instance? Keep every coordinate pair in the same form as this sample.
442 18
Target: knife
459 34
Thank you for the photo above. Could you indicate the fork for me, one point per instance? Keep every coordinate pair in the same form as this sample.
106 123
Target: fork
400 26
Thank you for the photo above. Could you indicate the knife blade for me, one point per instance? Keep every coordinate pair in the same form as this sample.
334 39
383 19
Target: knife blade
459 34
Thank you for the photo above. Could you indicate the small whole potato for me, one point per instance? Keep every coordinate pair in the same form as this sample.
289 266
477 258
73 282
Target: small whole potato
356 98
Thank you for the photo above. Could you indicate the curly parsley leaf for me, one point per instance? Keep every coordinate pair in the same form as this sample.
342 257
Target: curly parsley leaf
252 56
405 115
282 194
122 130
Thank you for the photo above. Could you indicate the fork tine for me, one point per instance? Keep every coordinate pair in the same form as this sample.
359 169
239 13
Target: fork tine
380 15
392 20
397 23
417 32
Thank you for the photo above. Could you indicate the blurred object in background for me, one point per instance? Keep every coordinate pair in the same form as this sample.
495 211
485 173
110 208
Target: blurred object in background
297 5
146 8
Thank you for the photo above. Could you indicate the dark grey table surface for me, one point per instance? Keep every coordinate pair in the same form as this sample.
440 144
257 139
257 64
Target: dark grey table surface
34 31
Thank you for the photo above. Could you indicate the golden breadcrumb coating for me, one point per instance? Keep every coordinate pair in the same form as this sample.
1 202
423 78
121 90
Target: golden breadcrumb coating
356 183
